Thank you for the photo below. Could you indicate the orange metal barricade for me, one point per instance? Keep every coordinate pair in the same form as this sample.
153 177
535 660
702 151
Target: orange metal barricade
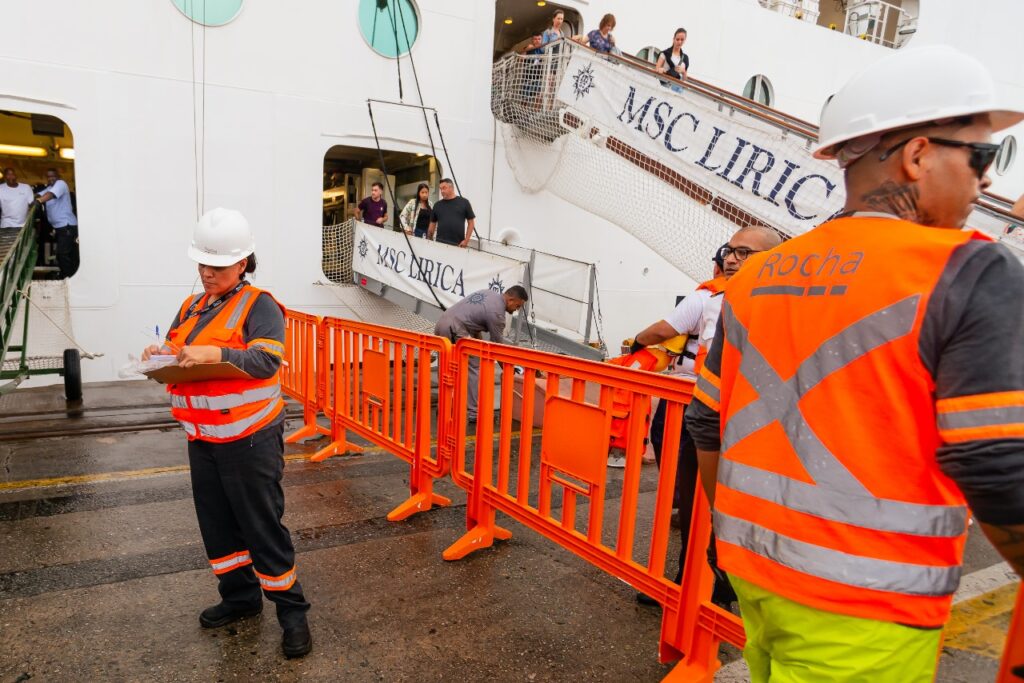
379 387
578 398
1012 669
299 371
697 627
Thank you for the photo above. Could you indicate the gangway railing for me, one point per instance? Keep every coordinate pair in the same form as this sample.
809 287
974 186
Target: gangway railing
562 314
609 134
18 249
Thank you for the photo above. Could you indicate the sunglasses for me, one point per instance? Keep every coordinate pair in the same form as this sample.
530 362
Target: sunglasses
741 253
982 153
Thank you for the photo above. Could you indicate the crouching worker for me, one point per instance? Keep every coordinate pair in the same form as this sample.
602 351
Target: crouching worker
235 431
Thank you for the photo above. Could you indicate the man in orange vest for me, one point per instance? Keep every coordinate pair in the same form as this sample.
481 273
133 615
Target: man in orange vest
865 389
696 317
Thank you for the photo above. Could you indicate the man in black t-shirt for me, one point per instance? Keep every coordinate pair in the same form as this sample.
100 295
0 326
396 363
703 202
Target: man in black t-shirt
452 218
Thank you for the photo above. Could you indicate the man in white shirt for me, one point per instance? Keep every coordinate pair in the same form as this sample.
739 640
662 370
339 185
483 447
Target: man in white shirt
15 200
697 317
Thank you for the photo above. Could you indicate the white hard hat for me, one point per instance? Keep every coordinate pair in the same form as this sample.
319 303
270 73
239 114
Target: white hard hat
222 237
908 88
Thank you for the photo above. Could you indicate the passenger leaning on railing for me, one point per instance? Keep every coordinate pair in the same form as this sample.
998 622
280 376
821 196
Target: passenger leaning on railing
235 430
673 61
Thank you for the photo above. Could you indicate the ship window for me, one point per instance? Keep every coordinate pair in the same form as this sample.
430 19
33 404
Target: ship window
389 26
209 12
1007 154
649 54
759 89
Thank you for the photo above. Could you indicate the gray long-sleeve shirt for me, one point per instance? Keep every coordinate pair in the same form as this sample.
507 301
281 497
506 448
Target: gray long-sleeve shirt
970 342
482 311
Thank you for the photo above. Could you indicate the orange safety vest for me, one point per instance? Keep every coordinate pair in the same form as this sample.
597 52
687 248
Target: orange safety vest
224 410
829 492
716 286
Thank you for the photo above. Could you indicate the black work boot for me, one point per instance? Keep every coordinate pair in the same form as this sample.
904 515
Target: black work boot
223 614
297 640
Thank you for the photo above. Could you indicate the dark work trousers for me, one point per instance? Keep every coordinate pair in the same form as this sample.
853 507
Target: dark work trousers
686 484
686 471
67 250
239 502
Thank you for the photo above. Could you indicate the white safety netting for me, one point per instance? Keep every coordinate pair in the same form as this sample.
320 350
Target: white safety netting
49 326
679 166
336 259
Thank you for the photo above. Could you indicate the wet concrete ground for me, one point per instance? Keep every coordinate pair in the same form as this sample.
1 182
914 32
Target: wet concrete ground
102 575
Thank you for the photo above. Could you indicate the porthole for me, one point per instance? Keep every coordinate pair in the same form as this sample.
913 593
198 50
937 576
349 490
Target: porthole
759 89
209 12
1007 154
390 27
649 54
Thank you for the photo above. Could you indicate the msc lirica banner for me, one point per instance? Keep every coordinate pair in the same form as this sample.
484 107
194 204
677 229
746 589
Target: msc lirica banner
734 155
452 272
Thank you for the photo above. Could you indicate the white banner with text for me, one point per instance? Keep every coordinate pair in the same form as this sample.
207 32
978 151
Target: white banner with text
452 272
729 153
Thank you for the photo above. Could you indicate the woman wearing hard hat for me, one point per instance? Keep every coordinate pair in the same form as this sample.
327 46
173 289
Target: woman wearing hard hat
235 430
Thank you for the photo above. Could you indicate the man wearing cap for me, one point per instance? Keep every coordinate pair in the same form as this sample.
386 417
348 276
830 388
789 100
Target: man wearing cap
865 391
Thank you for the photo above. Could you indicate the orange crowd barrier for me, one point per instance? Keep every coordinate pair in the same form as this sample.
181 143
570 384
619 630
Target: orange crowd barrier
1012 669
300 370
576 401
379 387
697 627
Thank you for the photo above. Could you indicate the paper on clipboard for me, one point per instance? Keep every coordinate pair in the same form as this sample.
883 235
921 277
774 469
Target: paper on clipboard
175 374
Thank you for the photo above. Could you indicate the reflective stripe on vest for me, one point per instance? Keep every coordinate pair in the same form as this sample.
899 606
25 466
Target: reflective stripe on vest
998 415
229 401
235 429
239 307
277 583
834 565
837 495
223 565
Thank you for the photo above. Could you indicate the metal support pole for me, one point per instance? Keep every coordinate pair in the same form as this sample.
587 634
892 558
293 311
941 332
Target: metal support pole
590 303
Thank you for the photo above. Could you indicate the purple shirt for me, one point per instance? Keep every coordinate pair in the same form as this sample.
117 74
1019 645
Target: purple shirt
372 210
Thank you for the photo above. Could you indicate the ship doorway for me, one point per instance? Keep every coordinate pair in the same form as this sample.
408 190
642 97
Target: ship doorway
515 22
349 175
32 147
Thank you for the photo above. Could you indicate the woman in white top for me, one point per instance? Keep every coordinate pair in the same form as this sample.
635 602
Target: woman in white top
673 61
415 216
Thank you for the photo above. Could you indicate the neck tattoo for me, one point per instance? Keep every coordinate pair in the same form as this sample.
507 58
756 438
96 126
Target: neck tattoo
890 197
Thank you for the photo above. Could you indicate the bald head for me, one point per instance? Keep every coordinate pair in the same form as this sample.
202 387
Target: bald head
743 243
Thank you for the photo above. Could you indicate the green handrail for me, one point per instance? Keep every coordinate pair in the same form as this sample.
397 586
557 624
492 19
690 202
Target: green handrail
15 276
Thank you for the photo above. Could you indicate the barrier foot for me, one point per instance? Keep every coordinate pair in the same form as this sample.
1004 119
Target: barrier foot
477 538
306 431
691 672
335 448
420 502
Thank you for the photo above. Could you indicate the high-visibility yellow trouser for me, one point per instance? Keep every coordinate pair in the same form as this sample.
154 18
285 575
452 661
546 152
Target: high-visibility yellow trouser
790 643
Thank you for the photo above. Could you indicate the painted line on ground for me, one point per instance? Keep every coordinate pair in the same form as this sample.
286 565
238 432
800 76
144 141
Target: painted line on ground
123 475
984 581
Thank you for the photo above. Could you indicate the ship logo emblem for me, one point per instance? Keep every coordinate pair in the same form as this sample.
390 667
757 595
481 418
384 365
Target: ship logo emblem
496 284
363 248
583 81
